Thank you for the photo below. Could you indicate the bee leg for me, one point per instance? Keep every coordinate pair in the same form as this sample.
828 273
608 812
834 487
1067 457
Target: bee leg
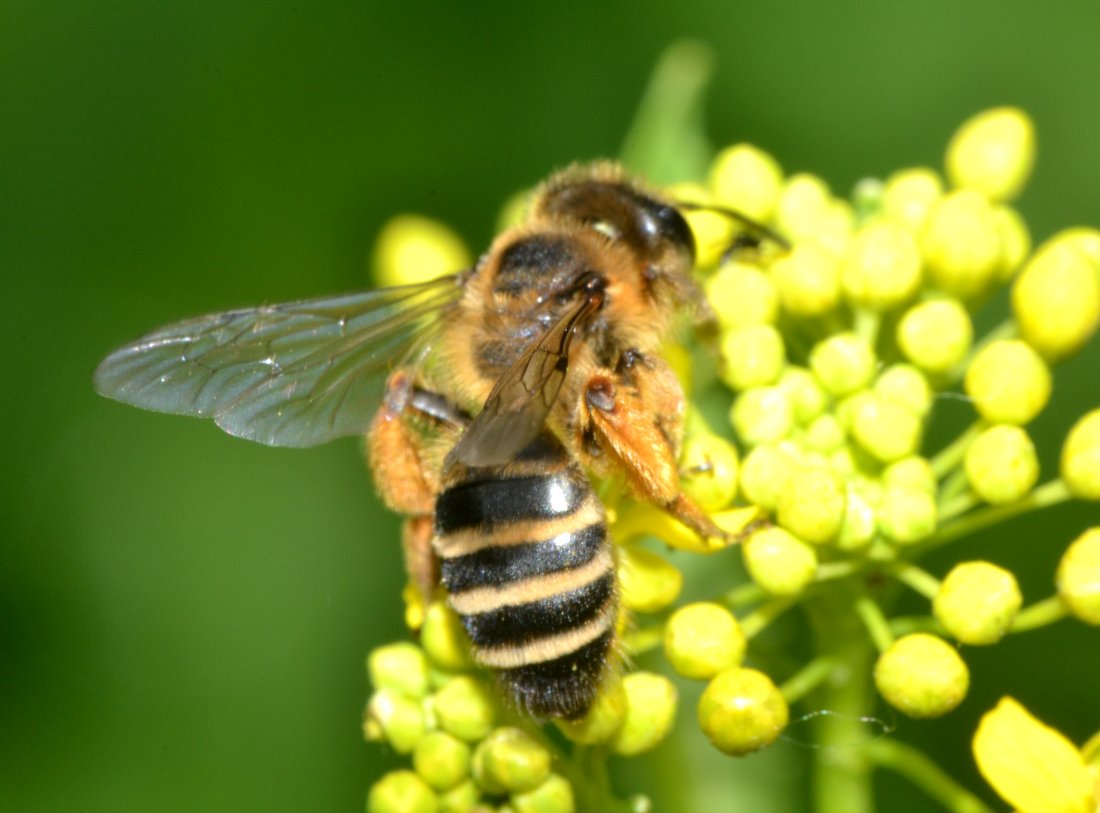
421 561
406 480
395 453
626 430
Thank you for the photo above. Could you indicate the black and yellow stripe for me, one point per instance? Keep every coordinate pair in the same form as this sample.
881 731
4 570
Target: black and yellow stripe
528 567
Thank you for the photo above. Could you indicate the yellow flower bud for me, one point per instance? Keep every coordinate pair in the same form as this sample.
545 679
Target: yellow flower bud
415 605
460 799
909 196
1081 457
441 760
843 460
779 562
742 294
993 153
649 582
765 472
906 514
650 713
742 711
1084 239
906 386
412 249
825 433
1079 577
882 267
961 244
762 415
922 676
401 792
702 639
398 718
803 204
400 666
807 397
1056 300
747 179
1008 382
808 281
812 505
508 760
752 356
555 795
977 602
604 718
843 363
936 335
709 468
911 472
464 708
836 227
883 428
1001 464
860 522
443 638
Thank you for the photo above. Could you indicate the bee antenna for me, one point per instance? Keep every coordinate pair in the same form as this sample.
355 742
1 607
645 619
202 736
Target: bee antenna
754 232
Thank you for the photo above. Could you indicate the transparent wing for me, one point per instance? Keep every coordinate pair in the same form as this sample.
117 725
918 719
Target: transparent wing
518 405
297 374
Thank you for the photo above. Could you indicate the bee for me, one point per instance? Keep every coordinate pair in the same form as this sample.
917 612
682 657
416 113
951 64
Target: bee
502 388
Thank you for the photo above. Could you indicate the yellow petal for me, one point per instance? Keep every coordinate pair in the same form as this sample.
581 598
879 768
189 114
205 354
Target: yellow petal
1032 766
1091 750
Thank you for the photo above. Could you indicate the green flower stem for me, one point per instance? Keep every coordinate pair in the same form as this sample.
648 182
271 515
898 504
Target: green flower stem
955 506
756 621
842 773
866 325
952 491
744 595
587 771
808 678
915 766
875 621
906 625
950 457
917 578
1039 614
645 639
837 570
1044 496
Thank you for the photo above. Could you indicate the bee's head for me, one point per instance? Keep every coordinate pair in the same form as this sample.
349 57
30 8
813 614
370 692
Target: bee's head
658 235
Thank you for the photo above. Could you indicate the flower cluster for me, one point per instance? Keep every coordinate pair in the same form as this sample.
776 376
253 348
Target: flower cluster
842 326
467 748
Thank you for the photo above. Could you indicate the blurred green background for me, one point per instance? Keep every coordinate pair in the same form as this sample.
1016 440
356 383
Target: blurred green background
184 615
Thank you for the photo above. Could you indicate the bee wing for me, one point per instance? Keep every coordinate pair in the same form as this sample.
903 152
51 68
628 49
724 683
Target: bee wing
518 405
296 374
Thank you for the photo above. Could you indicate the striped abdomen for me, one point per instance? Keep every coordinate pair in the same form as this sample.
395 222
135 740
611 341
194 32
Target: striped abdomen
528 567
